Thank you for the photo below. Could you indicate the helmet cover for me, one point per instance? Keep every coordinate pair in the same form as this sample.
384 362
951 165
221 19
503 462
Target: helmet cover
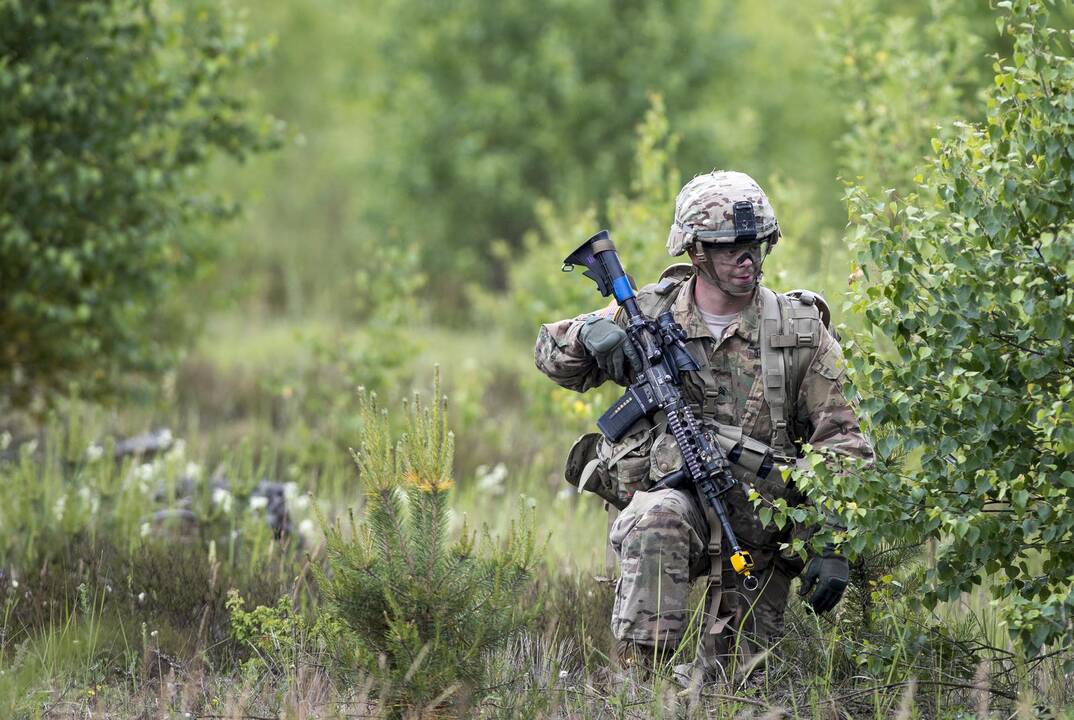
722 207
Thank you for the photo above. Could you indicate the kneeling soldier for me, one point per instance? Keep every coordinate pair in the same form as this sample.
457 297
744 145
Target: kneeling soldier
770 370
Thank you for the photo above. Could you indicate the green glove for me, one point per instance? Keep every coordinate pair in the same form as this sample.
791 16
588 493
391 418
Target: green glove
824 579
608 344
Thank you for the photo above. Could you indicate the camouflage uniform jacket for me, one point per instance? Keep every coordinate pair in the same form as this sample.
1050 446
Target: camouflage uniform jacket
819 414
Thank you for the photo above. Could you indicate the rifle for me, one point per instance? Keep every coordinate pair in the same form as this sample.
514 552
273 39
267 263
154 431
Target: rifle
661 344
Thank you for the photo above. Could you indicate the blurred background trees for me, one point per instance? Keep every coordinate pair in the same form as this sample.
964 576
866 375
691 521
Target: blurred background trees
429 151
440 131
109 110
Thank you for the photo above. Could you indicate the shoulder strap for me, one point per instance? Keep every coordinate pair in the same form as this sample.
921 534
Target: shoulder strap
659 296
774 369
806 312
790 335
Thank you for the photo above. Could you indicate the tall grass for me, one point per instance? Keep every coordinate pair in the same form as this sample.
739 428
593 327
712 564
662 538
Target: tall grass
102 615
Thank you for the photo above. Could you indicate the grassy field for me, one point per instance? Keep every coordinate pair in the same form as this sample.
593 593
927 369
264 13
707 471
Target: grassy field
117 574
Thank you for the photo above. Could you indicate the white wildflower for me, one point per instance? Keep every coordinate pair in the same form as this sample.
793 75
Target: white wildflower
528 501
562 674
14 583
491 481
94 452
89 499
193 470
5 440
222 498
58 507
290 490
141 598
29 448
301 502
145 529
307 529
145 471
258 502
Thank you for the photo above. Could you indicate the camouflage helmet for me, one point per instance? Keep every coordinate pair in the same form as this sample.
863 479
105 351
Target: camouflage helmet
721 207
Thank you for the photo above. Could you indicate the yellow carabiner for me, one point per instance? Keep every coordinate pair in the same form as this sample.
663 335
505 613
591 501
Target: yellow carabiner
742 564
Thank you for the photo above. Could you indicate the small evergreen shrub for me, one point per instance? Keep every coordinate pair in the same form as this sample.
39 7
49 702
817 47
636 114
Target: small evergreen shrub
425 607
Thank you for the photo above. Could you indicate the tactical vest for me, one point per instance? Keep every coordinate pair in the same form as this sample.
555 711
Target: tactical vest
789 338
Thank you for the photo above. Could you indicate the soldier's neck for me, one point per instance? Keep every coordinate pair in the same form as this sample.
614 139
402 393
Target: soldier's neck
713 300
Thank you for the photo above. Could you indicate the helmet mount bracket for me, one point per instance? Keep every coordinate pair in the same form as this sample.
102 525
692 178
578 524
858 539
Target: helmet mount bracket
745 222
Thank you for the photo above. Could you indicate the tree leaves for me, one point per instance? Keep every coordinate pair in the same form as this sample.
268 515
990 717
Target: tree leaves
966 280
109 110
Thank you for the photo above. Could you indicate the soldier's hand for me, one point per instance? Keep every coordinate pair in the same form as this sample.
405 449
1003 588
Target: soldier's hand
609 346
824 580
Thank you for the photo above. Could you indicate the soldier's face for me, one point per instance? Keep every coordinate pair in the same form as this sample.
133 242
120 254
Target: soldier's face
737 268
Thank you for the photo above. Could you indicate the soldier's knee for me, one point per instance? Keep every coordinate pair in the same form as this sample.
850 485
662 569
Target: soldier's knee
665 516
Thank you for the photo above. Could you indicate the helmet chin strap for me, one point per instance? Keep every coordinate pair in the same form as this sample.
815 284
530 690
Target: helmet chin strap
707 274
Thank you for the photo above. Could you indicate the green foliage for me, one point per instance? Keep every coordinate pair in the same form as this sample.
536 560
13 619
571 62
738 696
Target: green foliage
422 123
537 292
110 107
424 610
67 484
72 516
968 278
281 636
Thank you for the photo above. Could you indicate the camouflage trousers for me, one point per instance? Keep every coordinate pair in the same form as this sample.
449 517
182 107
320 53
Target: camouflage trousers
661 539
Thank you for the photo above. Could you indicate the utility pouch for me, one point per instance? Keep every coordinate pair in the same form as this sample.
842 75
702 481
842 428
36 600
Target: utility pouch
665 457
586 471
747 453
628 461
